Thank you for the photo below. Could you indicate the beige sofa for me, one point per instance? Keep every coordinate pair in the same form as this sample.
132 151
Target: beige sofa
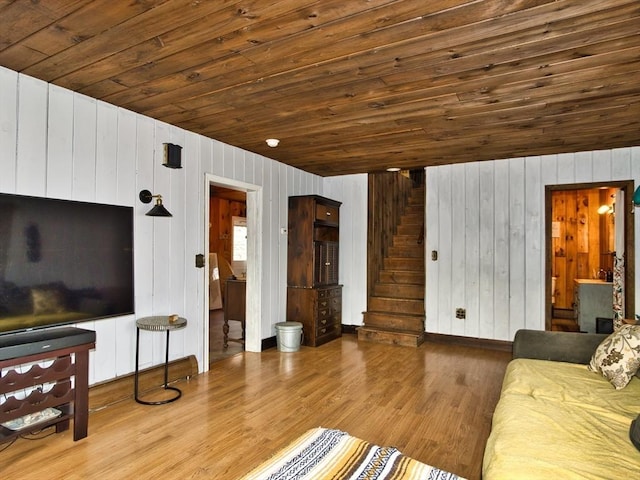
558 419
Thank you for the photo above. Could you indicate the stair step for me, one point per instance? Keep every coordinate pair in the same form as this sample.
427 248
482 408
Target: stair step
406 264
394 321
398 290
398 276
399 240
414 208
418 189
412 219
414 230
398 305
406 251
390 337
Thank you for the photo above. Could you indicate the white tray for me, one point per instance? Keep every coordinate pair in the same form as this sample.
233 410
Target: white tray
32 419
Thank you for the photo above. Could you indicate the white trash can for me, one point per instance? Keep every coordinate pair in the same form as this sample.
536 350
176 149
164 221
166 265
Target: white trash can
289 336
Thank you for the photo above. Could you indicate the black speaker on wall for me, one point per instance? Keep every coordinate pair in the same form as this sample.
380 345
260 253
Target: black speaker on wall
172 155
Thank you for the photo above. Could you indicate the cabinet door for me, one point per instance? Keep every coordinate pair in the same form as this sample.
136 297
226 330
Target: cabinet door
325 263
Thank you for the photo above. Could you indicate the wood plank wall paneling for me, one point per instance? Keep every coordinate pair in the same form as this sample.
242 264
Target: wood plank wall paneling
500 236
221 213
585 241
389 193
36 138
55 143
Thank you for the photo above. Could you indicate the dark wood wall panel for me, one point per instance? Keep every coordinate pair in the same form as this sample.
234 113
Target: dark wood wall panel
221 212
388 195
585 241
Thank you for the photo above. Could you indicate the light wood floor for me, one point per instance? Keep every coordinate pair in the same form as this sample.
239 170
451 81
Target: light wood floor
434 403
217 351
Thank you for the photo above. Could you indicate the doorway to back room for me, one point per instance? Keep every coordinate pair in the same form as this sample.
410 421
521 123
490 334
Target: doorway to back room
589 241
227 271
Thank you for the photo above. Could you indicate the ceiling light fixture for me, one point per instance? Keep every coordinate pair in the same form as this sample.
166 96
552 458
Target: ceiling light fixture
393 169
272 142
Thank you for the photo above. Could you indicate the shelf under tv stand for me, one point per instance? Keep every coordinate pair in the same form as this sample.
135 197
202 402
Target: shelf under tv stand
71 398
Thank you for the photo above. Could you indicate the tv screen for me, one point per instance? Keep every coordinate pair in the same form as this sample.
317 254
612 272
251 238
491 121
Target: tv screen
63 262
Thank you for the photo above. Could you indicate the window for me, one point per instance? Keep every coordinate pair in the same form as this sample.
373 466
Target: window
239 244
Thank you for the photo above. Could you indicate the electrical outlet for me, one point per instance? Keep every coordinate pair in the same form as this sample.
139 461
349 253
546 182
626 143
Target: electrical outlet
461 313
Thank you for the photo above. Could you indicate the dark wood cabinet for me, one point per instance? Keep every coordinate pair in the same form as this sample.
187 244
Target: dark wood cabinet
314 297
65 371
235 301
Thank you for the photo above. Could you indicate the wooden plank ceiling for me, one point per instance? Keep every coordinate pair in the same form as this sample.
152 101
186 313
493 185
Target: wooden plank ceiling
350 86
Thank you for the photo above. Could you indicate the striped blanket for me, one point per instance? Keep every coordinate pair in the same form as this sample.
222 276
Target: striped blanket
323 454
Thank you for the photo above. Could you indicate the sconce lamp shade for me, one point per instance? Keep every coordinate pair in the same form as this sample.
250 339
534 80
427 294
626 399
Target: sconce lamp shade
602 209
636 197
172 155
158 209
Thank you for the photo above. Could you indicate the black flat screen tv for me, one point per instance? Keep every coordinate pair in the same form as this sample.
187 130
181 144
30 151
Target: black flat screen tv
63 262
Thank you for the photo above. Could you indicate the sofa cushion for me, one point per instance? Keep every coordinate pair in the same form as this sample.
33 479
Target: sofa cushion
617 358
559 420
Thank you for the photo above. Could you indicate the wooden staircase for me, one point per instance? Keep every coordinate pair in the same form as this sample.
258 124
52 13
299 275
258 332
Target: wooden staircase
395 312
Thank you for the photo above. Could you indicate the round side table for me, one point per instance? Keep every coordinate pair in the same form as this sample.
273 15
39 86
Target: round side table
157 324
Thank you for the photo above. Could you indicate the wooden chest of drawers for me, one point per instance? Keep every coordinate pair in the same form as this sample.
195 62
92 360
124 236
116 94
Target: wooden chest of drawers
319 310
314 296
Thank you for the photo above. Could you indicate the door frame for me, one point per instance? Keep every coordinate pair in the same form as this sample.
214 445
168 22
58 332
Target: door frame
627 186
253 339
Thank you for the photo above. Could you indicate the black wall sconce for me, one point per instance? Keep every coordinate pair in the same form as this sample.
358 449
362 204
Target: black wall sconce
172 155
158 209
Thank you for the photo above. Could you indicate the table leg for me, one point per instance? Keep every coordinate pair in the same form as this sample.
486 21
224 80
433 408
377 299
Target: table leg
166 376
81 396
166 363
135 376
225 332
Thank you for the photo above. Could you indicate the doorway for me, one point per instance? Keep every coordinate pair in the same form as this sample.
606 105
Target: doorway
587 227
225 200
227 271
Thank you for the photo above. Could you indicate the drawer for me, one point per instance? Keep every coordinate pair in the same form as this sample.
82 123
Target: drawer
323 322
336 303
327 330
329 292
333 319
324 303
327 213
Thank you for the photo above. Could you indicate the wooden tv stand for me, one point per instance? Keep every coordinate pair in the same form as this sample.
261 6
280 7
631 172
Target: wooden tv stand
71 400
